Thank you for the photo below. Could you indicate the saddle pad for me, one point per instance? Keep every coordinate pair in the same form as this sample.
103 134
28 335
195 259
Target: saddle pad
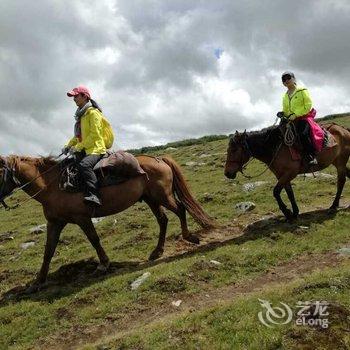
120 164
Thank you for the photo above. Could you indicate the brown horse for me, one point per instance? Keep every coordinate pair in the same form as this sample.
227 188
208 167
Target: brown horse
267 146
165 181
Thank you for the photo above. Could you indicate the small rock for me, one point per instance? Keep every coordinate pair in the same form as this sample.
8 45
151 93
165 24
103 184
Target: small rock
304 227
204 155
326 176
191 163
137 283
7 236
96 220
170 149
317 175
38 229
344 251
176 303
103 347
215 262
250 186
207 197
26 245
245 206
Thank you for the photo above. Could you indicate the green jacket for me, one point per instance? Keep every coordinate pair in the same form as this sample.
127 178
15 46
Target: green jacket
298 104
96 133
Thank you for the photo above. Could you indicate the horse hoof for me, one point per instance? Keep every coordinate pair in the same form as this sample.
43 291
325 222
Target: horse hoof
157 253
34 288
332 209
193 239
102 267
289 215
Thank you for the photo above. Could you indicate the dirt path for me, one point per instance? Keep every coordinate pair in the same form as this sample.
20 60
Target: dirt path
116 329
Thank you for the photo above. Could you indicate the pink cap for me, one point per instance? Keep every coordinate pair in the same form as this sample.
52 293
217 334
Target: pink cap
81 89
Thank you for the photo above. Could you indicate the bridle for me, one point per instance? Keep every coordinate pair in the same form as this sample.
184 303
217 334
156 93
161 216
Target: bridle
245 150
9 178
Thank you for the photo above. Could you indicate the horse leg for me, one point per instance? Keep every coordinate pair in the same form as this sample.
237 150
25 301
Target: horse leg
291 197
179 209
342 172
277 194
54 229
89 229
162 219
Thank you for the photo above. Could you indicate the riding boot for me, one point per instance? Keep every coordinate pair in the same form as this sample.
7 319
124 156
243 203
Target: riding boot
91 184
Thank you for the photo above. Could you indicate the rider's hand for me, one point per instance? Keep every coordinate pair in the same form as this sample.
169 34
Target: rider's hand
72 151
292 117
280 115
65 150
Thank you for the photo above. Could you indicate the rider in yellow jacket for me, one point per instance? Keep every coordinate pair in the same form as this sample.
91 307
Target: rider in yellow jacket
93 135
96 133
297 105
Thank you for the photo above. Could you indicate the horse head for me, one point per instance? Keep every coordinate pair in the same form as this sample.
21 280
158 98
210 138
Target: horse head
8 181
238 154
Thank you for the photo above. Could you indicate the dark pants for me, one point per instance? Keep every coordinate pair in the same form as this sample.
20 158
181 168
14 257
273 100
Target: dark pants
85 166
304 132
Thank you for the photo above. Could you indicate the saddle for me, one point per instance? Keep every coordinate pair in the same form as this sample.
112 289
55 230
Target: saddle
114 168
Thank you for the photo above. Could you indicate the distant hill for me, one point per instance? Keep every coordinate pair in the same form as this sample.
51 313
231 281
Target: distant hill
208 138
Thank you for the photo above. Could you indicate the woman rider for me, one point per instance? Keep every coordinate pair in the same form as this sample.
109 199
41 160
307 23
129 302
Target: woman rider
297 107
93 135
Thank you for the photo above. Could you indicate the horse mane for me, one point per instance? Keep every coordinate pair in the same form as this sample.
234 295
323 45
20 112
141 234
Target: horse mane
264 142
38 162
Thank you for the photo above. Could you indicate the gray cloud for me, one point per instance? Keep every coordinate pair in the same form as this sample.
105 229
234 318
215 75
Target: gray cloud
152 65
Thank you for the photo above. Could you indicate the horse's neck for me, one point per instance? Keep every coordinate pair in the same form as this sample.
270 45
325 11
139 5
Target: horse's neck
36 178
260 148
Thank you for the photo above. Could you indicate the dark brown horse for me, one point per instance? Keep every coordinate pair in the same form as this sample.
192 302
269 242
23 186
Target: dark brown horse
165 187
267 146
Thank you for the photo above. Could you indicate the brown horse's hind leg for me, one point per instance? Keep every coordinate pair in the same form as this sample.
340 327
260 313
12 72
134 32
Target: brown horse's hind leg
88 228
179 209
54 229
162 219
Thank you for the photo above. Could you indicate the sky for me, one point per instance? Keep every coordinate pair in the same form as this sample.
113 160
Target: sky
164 70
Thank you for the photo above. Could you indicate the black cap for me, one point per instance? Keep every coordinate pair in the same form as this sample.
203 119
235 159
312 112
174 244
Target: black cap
288 73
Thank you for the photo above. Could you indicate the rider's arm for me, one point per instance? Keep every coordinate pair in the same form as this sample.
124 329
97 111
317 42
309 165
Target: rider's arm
72 142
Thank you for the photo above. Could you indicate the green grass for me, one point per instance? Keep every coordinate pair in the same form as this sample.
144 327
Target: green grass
77 304
235 324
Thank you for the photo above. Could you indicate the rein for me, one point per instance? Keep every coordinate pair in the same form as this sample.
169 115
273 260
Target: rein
251 157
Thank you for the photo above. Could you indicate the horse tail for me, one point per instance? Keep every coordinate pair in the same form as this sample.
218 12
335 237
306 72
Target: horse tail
183 193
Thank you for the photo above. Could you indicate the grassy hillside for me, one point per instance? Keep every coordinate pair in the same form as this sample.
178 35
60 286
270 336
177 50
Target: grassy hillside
259 255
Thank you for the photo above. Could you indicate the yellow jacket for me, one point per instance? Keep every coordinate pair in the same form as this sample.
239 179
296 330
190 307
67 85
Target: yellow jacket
96 133
298 104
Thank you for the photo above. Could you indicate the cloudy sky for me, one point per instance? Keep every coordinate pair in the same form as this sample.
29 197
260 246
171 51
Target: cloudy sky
164 70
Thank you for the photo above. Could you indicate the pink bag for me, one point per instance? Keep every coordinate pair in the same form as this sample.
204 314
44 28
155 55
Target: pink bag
316 131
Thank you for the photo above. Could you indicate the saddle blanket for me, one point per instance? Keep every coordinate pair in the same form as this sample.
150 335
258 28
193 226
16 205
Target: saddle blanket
327 141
